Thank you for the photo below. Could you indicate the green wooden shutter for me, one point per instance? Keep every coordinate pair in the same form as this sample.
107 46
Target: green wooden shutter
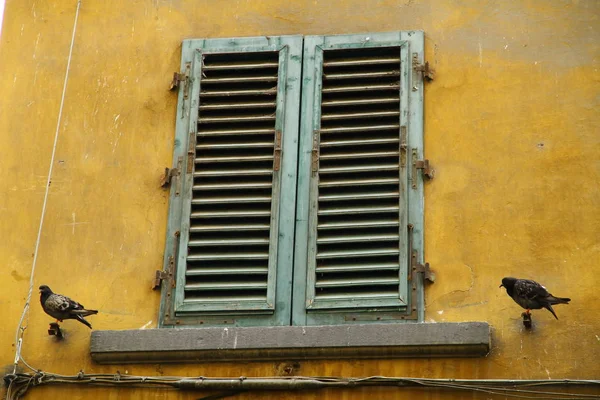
361 112
234 255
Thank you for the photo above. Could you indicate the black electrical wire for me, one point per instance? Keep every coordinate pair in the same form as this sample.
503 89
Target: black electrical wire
19 384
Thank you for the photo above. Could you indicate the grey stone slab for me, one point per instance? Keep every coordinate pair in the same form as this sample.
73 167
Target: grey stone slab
466 339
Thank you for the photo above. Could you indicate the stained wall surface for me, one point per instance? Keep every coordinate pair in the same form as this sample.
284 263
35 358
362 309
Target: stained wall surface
511 126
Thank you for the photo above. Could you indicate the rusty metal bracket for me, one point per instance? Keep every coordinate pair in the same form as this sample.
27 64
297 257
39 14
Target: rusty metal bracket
277 151
423 165
427 72
182 77
170 272
168 176
177 77
159 278
428 172
424 269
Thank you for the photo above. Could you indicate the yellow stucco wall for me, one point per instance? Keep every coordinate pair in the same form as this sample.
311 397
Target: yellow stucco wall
512 127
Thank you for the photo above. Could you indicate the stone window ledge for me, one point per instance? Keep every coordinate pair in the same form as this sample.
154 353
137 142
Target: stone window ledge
465 339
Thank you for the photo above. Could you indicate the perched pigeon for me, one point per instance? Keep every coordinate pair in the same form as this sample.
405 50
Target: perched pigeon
61 307
531 295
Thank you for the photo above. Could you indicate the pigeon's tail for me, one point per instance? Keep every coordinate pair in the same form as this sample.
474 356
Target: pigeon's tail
84 313
548 307
83 321
558 300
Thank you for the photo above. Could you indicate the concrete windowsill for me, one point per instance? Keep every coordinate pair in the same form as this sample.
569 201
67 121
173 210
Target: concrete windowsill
465 339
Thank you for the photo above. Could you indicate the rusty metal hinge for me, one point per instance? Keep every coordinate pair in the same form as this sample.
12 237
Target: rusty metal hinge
424 69
182 77
423 165
167 275
424 269
277 151
428 172
168 176
158 278
315 153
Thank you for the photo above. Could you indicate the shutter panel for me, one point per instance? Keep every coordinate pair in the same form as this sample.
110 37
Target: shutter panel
235 235
357 179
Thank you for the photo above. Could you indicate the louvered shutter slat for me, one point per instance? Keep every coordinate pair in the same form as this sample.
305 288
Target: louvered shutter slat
358 253
366 88
357 62
358 182
228 256
227 200
216 228
360 297
373 114
238 131
366 168
352 196
240 270
257 65
360 129
358 102
254 104
234 172
359 75
228 286
241 79
341 283
228 242
359 224
251 92
358 238
360 155
357 267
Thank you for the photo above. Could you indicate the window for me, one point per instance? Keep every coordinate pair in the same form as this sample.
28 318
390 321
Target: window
296 198
296 207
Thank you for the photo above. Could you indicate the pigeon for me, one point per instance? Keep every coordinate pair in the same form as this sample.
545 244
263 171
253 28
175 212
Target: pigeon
531 295
61 307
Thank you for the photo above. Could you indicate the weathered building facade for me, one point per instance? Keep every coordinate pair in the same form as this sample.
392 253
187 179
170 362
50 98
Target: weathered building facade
510 124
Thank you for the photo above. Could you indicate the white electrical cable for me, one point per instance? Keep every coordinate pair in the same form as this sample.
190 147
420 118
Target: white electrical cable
21 328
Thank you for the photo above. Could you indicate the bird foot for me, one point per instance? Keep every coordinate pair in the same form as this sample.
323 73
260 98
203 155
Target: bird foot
54 330
527 321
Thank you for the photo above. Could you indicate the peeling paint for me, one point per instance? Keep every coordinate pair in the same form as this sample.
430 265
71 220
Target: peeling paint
146 325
